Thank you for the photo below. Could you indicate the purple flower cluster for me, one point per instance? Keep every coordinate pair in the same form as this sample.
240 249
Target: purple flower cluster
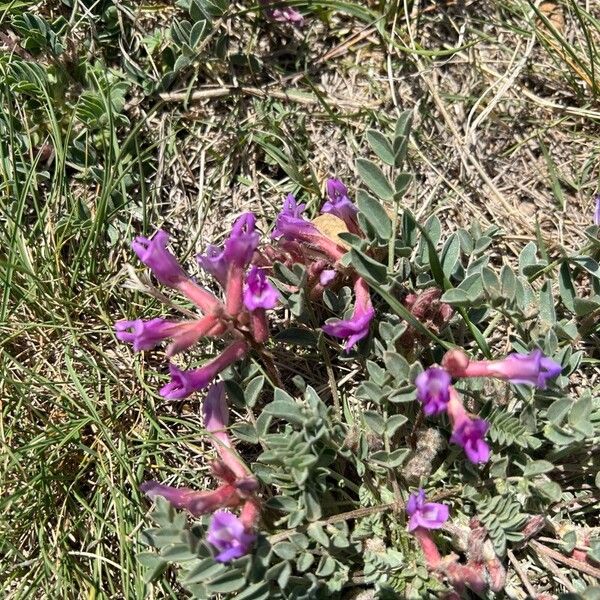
231 536
437 395
244 293
321 255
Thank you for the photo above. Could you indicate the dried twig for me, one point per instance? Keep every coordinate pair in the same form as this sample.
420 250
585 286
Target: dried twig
522 574
231 90
570 562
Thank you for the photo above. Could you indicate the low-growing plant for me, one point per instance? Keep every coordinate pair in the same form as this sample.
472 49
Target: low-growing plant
439 435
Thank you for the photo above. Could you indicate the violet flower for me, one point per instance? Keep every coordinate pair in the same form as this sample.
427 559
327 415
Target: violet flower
327 276
242 241
154 254
428 515
216 418
196 503
339 204
229 536
357 326
259 296
259 292
237 254
353 329
470 433
530 369
291 226
433 390
144 335
213 261
184 383
290 221
597 211
216 414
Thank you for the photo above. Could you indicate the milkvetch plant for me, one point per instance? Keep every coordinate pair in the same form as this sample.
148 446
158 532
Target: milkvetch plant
423 450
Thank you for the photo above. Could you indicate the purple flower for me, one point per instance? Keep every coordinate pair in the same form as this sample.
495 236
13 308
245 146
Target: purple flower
429 515
433 390
530 369
213 261
353 329
339 203
357 326
229 536
290 221
197 503
259 292
327 276
154 254
144 335
238 249
216 415
185 383
597 211
469 433
283 15
287 15
242 241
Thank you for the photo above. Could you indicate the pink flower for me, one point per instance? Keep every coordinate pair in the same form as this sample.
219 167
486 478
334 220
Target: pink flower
285 14
533 369
196 503
327 276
